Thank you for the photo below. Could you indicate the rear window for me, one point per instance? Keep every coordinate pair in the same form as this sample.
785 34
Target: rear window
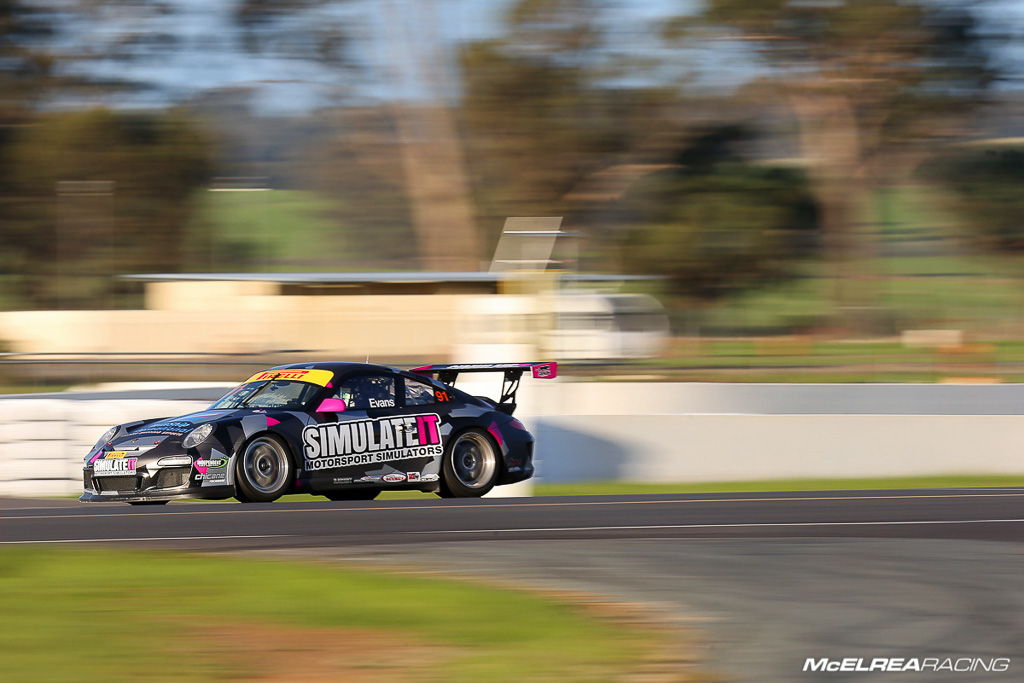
418 393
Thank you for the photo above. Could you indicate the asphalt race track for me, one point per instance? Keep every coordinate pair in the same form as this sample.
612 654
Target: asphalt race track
759 581
979 514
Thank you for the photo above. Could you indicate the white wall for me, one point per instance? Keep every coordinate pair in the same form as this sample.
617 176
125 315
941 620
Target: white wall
664 448
657 432
43 441
638 431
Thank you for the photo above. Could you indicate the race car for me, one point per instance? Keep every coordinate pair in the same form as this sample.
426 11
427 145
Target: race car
346 431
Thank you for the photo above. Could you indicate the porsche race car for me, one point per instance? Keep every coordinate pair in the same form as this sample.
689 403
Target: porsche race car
346 431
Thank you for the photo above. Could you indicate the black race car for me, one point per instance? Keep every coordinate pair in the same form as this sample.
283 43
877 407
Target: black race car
343 430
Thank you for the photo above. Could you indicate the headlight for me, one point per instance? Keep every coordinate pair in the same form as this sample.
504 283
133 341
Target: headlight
197 435
107 436
174 461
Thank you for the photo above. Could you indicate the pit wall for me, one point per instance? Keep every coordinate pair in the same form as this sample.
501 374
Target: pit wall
640 432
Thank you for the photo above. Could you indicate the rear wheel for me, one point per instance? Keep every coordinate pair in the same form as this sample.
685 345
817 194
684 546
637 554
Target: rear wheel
470 465
263 470
353 494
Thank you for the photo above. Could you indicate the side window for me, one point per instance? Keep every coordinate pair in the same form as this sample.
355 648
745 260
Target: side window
367 390
418 393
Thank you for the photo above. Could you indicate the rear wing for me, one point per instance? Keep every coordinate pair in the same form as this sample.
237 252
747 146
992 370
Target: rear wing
513 373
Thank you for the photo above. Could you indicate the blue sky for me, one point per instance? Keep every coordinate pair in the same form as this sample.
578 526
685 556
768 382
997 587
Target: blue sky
393 36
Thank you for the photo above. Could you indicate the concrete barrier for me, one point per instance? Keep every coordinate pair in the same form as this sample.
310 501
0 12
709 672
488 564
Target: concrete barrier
43 441
637 432
698 448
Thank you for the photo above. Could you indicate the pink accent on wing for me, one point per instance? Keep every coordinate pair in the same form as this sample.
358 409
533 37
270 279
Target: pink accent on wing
545 371
332 405
271 421
492 429
330 385
201 469
96 457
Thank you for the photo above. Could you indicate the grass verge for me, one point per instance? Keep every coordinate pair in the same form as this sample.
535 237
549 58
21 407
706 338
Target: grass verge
85 615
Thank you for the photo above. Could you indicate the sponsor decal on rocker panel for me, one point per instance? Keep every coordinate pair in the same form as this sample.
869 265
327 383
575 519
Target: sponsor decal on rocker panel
365 442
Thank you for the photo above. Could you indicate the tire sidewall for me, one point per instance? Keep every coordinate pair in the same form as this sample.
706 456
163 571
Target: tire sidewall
246 493
451 486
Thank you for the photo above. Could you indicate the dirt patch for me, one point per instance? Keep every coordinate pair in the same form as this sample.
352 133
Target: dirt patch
273 652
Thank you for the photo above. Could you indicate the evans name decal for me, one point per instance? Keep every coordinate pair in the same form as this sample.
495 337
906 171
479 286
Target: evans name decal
362 442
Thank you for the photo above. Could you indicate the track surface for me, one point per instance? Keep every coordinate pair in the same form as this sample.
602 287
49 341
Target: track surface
979 514
762 581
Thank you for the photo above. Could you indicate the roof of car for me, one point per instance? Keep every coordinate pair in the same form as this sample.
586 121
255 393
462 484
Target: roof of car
337 367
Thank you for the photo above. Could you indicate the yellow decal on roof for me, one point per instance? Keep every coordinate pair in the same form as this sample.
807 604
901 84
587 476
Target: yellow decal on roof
321 377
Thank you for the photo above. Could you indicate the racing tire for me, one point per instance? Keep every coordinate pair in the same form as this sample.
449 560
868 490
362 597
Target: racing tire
148 502
353 494
263 470
469 467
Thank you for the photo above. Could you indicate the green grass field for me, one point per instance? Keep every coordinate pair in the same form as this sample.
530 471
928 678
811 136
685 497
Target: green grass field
277 230
916 269
105 615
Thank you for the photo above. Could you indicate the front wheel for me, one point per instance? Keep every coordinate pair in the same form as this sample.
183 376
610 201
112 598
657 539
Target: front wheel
470 465
263 471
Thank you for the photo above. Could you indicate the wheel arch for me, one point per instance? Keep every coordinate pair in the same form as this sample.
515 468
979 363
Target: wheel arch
244 441
480 428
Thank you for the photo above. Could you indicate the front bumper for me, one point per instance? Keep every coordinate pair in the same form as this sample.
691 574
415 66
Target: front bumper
168 483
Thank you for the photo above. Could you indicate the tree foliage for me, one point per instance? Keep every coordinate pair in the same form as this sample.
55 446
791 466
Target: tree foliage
985 190
866 81
540 119
714 225
99 193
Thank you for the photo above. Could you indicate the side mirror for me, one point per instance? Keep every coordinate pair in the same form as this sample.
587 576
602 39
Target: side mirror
332 405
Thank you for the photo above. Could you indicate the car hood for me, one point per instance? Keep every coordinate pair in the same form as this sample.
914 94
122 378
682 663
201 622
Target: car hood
150 433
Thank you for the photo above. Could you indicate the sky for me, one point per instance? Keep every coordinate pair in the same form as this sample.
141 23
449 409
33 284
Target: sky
393 37
209 52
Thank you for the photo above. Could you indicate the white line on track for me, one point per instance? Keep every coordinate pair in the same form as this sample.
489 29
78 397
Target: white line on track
150 538
724 526
552 529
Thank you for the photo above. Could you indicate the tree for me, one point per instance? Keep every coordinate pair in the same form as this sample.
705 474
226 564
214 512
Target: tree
100 192
985 189
544 124
864 79
26 73
714 225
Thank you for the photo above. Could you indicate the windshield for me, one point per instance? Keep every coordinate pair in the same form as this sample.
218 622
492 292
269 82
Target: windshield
278 393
